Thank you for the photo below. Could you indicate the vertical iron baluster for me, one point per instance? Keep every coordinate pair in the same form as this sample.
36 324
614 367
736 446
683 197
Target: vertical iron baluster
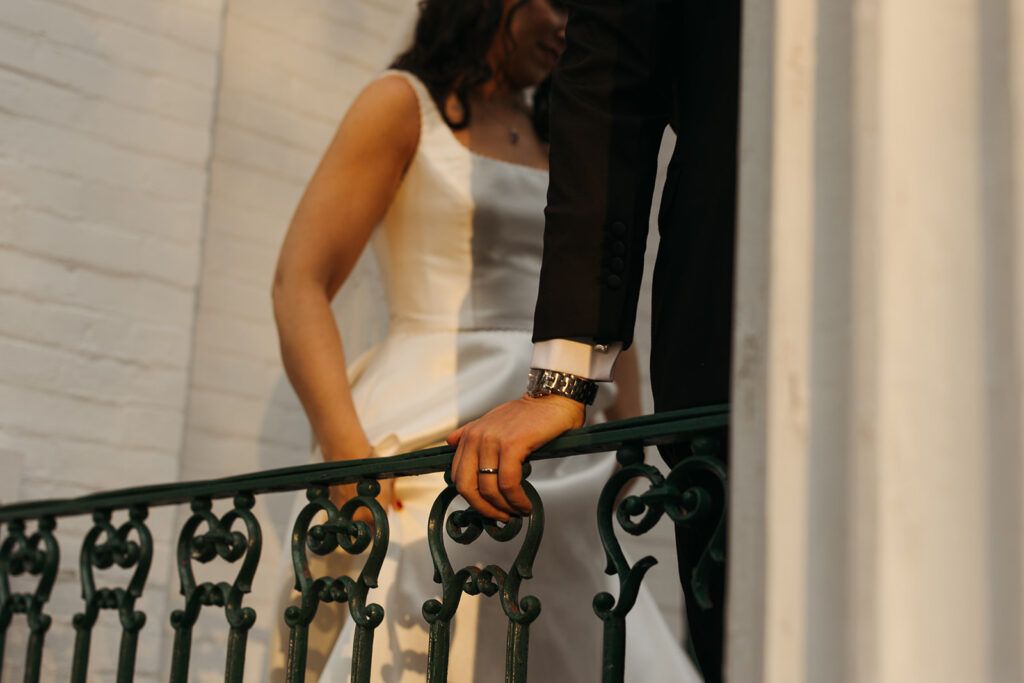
116 548
521 613
44 563
84 621
613 652
182 649
464 527
437 650
21 555
339 530
439 613
218 541
139 554
182 621
688 504
517 646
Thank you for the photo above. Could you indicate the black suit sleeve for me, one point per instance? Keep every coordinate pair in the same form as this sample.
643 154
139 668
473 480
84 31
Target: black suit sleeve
610 103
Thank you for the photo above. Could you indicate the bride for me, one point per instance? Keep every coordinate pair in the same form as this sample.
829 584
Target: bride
442 163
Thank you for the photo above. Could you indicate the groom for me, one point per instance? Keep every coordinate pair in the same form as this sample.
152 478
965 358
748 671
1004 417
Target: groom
630 68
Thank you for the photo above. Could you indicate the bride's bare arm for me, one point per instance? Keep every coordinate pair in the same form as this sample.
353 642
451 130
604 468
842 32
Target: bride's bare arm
346 198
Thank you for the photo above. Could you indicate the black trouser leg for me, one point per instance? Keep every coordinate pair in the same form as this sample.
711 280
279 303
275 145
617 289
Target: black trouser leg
693 282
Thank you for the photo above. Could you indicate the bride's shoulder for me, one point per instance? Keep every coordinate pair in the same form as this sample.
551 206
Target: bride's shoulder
388 106
394 90
391 92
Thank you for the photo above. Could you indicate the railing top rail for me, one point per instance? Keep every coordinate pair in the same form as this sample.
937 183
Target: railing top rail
658 428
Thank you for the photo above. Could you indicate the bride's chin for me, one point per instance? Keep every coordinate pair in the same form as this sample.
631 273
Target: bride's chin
526 78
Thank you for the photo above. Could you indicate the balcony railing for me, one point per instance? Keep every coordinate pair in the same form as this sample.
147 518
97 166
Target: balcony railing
688 495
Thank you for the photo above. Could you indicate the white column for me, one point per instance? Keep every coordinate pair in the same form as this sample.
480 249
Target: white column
877 468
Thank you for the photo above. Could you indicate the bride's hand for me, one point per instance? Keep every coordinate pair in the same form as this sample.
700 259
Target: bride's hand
344 492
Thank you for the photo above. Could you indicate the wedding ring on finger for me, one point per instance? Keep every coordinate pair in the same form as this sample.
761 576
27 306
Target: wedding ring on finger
488 470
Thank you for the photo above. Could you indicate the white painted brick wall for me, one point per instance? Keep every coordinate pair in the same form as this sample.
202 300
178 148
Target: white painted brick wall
105 136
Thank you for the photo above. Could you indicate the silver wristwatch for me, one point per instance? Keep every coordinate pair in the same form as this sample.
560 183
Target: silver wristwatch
544 382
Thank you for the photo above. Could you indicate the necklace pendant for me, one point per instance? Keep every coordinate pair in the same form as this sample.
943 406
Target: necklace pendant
513 136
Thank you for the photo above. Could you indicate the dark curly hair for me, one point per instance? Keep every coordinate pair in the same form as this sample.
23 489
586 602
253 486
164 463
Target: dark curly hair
449 54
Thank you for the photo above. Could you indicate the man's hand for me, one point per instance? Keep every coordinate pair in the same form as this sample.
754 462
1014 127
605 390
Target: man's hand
502 440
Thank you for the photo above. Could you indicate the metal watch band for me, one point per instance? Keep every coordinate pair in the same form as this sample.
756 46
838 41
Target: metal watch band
544 382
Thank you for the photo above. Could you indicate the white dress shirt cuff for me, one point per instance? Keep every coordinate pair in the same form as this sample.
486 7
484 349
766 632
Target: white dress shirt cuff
591 361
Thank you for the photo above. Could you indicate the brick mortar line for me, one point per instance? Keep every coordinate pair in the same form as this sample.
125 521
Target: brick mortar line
90 440
75 308
81 306
129 66
91 267
48 210
92 398
91 355
147 192
161 239
112 141
158 114
117 20
67 440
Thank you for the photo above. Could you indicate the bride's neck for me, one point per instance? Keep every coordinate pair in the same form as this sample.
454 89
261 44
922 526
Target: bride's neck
498 92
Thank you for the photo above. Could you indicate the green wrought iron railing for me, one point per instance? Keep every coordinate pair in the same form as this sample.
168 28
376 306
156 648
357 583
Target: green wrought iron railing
691 495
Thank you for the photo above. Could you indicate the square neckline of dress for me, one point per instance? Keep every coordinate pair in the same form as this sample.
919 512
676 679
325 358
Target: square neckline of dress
422 93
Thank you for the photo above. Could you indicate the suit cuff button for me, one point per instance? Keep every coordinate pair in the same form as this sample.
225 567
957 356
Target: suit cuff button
613 282
618 228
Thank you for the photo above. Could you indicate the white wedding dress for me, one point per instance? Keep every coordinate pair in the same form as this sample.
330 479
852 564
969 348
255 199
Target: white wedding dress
459 252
